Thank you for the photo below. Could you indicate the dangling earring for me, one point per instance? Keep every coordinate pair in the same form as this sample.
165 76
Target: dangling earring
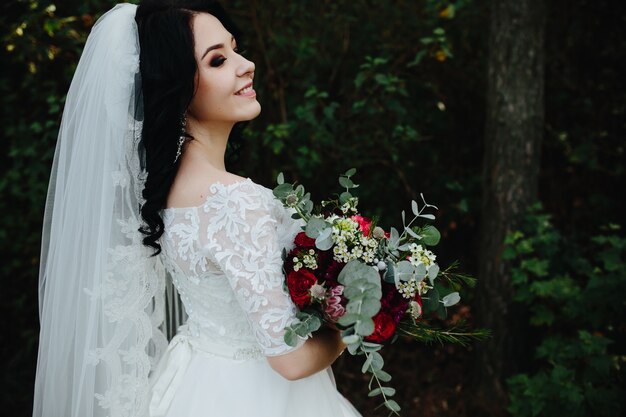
183 137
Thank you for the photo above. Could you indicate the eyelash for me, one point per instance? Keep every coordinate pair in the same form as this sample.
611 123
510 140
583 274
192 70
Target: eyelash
218 61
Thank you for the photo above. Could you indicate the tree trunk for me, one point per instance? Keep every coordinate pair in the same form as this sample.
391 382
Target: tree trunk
513 136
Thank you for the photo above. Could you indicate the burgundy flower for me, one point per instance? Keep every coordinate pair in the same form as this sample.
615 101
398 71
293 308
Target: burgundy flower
303 241
384 327
299 283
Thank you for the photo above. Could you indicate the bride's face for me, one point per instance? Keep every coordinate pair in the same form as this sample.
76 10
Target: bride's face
224 90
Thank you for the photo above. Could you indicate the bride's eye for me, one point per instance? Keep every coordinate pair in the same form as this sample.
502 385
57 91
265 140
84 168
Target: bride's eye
217 61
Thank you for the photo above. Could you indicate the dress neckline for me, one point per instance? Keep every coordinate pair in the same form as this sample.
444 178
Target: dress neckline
214 189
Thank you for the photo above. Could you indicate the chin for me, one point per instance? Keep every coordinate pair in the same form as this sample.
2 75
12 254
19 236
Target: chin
254 112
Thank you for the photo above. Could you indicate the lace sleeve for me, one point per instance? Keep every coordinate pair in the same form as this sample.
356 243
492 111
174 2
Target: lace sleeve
242 240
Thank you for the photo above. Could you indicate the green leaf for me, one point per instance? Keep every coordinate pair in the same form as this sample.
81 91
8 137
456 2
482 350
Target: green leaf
430 235
382 375
348 319
350 172
392 405
364 326
366 364
368 306
324 240
290 337
346 182
315 226
280 179
282 190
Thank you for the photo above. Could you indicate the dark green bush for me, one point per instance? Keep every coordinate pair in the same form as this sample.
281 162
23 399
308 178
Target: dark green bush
574 290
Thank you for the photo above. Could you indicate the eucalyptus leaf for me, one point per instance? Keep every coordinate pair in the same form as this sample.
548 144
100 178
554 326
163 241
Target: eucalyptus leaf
433 271
348 319
324 240
451 299
364 326
356 270
350 172
371 347
374 392
344 197
350 340
308 206
420 272
394 237
404 272
346 182
280 179
315 226
382 375
282 190
392 405
324 243
314 323
414 208
353 344
377 361
412 233
367 307
358 287
291 338
366 364
430 235
390 273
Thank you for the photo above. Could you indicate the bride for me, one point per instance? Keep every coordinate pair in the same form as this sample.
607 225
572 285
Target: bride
140 200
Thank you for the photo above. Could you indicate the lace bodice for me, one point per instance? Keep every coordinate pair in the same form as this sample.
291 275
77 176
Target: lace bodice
225 261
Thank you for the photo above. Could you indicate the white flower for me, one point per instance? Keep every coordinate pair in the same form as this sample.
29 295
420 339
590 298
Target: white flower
318 291
415 309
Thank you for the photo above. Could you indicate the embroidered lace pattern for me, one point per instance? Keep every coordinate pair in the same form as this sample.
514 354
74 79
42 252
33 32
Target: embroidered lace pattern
225 261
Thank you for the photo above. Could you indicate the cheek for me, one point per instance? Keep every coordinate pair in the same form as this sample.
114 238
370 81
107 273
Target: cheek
206 100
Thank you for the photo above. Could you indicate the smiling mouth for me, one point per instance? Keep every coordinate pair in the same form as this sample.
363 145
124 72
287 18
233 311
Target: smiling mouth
247 89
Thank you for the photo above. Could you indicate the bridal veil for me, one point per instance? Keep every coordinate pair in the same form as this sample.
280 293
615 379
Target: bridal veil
102 296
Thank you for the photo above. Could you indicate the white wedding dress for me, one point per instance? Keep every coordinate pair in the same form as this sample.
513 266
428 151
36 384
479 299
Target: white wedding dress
225 261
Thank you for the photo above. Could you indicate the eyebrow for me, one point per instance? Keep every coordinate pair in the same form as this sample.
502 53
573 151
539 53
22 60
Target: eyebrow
216 46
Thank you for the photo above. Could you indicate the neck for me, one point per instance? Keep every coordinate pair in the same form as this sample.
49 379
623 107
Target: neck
209 143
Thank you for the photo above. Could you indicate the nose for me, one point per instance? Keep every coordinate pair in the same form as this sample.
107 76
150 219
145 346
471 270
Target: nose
246 67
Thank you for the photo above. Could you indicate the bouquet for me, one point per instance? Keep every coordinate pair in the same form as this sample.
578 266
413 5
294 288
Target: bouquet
372 284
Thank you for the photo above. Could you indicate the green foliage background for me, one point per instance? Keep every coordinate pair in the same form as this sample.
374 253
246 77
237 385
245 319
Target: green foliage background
397 90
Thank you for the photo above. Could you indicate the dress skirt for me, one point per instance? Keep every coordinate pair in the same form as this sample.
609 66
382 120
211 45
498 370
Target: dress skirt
196 379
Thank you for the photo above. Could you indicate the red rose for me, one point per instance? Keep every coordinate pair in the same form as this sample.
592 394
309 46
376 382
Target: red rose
303 241
299 283
364 223
384 327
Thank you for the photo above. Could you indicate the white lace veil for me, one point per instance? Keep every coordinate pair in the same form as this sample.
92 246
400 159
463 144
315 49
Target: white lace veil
101 293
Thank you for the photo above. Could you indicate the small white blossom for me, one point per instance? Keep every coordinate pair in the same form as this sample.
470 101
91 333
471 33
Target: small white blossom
415 309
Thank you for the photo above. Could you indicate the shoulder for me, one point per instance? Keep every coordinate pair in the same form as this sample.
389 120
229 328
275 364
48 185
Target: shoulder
192 187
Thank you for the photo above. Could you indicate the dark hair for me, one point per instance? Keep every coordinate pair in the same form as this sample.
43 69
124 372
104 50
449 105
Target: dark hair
168 69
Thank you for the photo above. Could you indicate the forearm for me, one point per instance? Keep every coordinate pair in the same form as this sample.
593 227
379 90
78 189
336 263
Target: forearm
318 353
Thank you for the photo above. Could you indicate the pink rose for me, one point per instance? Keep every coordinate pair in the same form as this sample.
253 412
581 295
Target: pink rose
334 308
